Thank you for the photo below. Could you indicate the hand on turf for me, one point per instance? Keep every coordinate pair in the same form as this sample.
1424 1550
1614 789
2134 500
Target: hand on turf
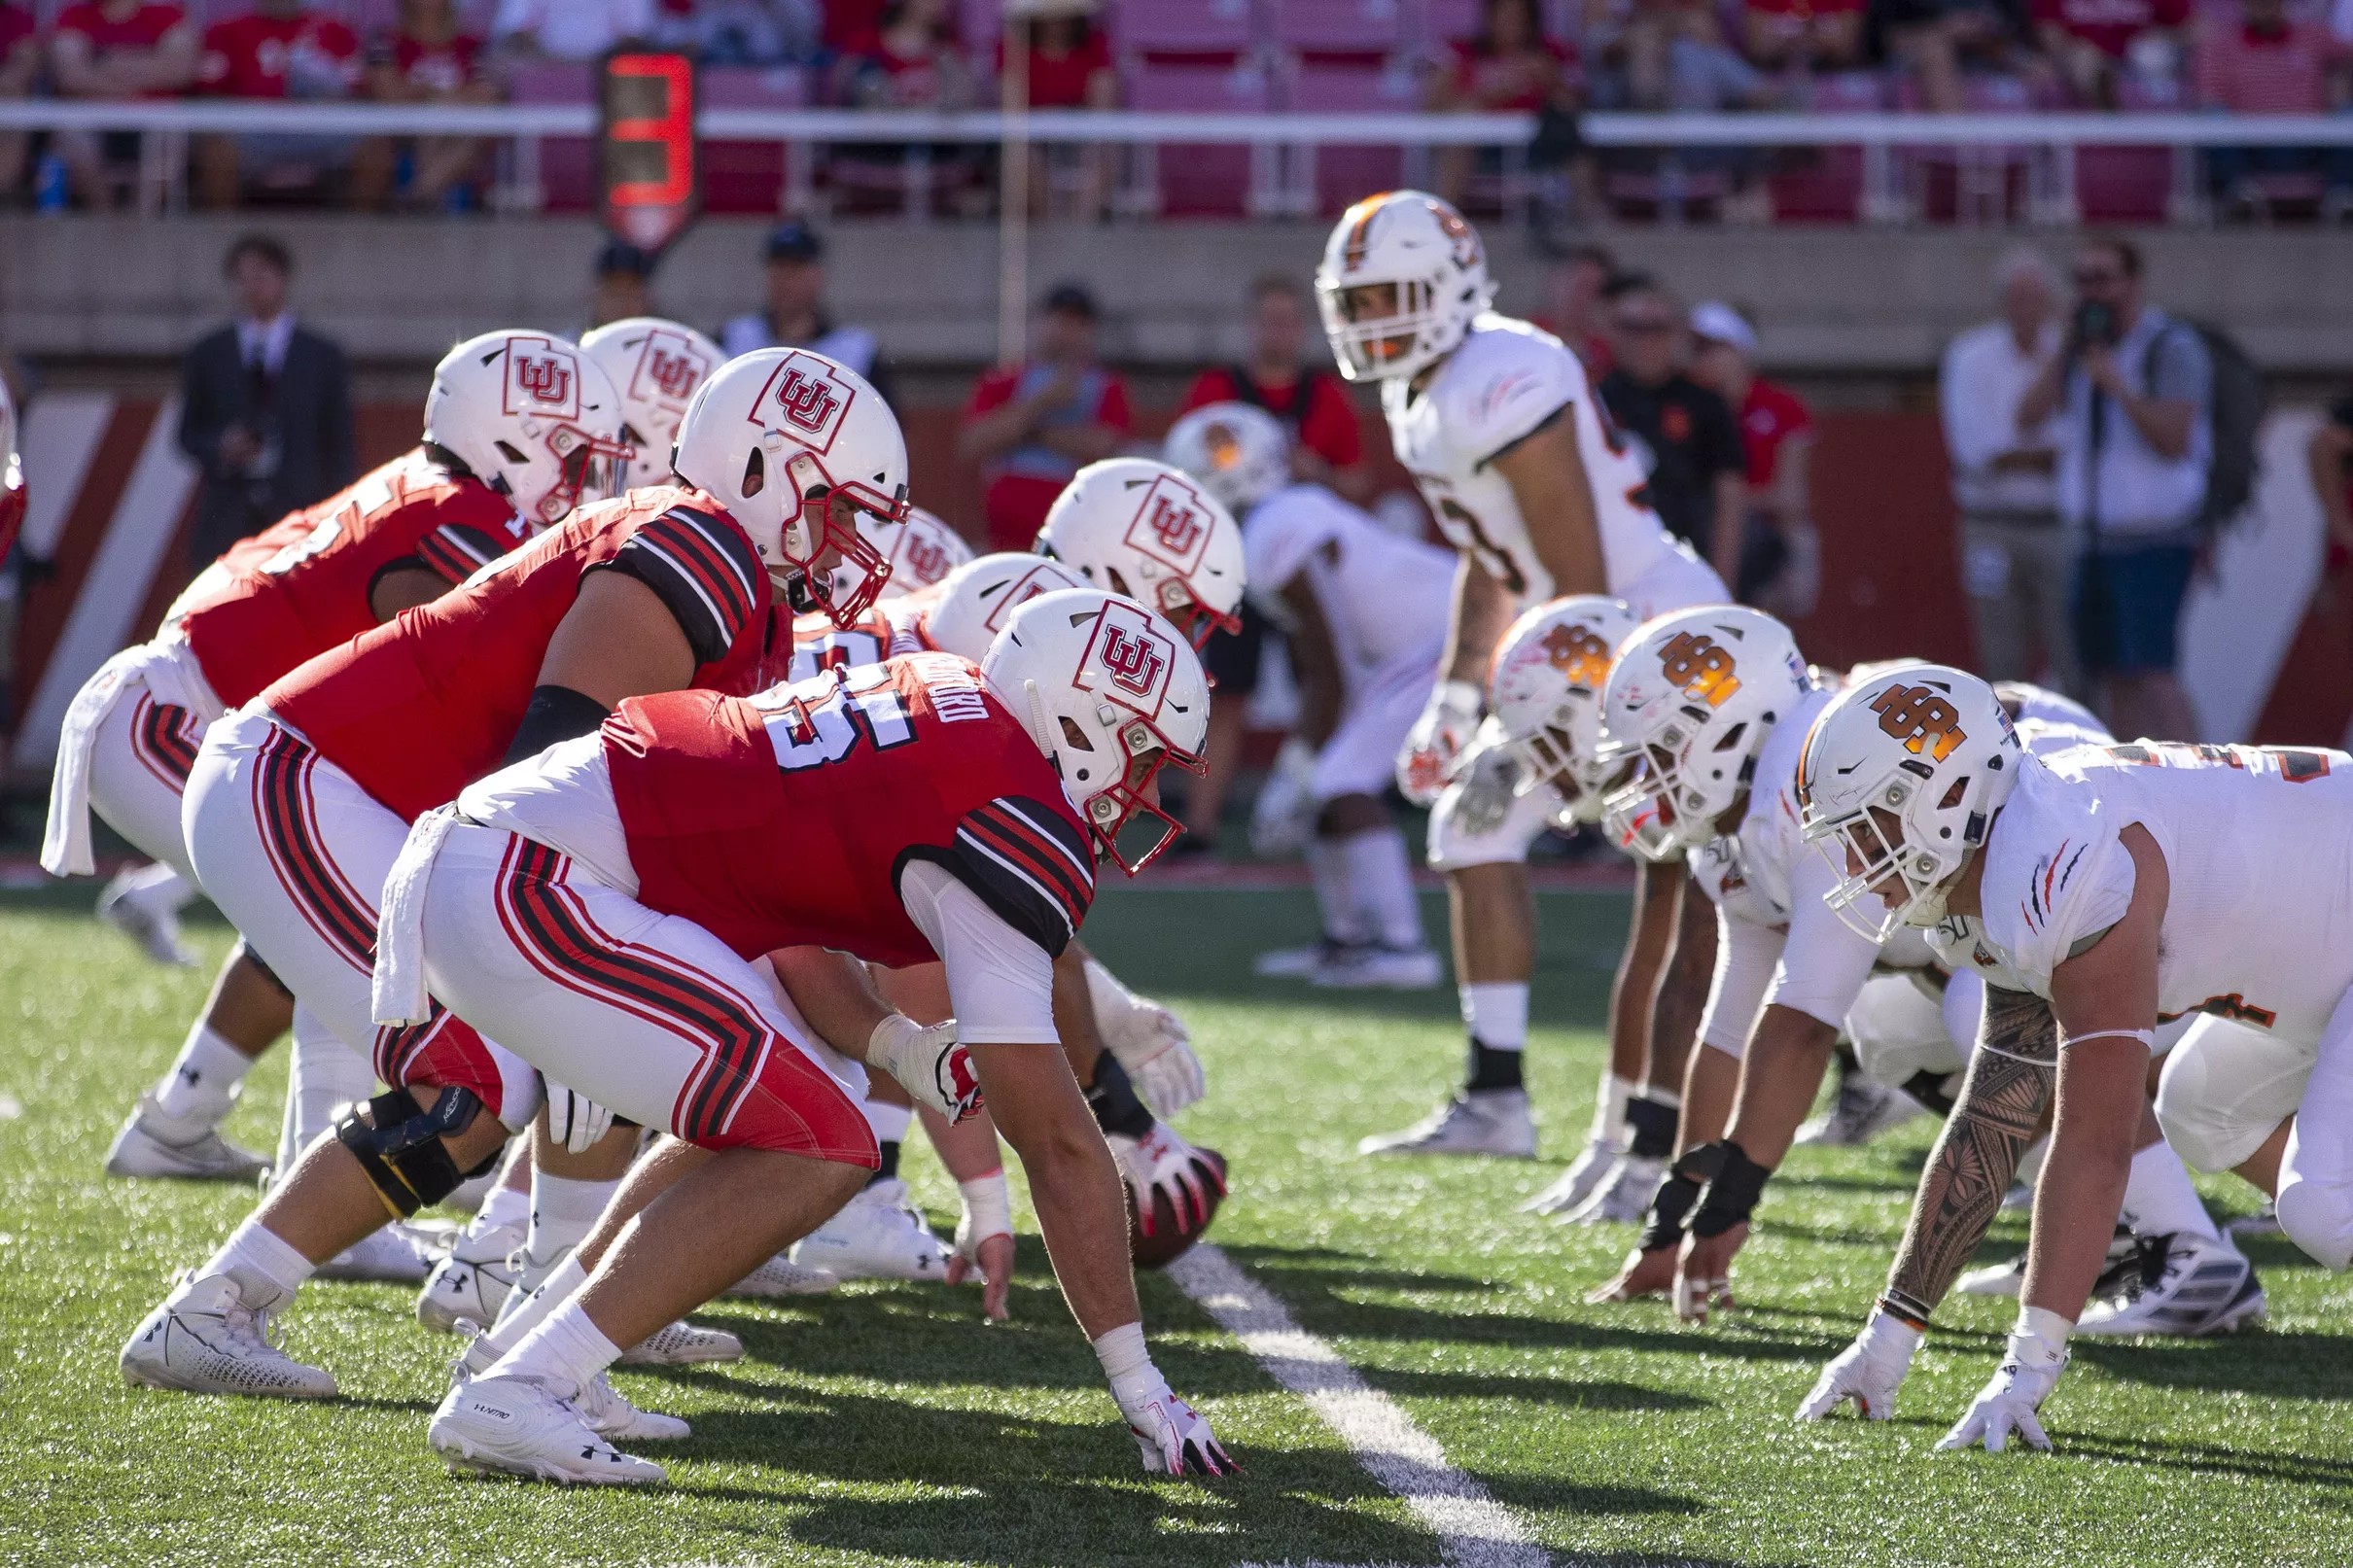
1446 726
1173 1437
1161 1162
2011 1400
1868 1372
1645 1273
573 1120
991 1259
929 1063
1704 1273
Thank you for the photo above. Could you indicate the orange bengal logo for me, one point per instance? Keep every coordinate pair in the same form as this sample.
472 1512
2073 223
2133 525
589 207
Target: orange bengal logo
1922 718
1132 662
1225 449
1581 657
1694 664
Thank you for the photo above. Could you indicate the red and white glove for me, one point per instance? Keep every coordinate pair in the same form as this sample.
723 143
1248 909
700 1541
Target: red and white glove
1427 760
929 1063
1161 1162
1172 1438
1148 1040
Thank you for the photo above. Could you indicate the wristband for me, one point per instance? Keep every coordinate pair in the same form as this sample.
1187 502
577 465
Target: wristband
1654 1126
1904 1311
1669 1205
1732 1192
988 1206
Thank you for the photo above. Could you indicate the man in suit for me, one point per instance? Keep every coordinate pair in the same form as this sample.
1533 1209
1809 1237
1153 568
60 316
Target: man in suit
265 407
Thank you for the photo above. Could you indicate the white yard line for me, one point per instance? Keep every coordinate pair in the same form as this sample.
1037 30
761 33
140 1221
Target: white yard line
1473 1529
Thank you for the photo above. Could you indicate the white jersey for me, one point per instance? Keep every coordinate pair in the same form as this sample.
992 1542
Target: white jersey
1385 596
1506 379
2259 859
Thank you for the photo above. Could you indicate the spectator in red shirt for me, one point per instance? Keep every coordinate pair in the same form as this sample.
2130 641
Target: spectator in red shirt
117 49
1068 63
279 49
1805 35
2085 39
1507 65
425 59
1327 436
1781 556
19 66
851 26
1033 426
2264 63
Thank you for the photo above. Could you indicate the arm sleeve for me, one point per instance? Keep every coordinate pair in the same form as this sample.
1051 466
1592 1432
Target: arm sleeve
1745 956
703 570
1824 961
1001 984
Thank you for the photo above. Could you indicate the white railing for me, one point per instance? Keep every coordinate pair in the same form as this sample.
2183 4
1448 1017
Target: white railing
1282 167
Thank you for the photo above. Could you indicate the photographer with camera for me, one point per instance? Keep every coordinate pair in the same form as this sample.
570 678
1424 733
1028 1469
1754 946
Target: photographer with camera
2134 392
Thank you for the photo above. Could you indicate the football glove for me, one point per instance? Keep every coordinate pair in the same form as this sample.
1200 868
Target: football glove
1284 814
1171 1436
929 1063
1148 1040
1437 738
2012 1397
576 1122
1161 1162
1868 1372
1487 775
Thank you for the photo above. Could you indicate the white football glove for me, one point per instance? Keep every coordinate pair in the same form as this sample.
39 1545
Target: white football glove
1161 1162
1171 1436
1148 1040
576 1121
1868 1372
1284 814
1447 723
929 1063
2012 1396
1485 778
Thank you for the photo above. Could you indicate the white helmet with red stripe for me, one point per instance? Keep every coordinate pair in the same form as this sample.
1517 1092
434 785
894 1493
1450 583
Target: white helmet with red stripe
978 598
1111 694
797 447
535 418
12 475
1145 530
1550 671
921 552
657 365
1403 276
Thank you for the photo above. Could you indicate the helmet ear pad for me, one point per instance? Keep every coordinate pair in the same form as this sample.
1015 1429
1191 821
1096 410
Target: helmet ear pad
755 473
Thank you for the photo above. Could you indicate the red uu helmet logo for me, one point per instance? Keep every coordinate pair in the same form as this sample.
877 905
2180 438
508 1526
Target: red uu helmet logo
925 560
1132 661
674 372
808 402
546 379
1176 526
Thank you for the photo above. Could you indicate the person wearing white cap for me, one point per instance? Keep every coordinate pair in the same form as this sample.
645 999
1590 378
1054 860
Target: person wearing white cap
1780 554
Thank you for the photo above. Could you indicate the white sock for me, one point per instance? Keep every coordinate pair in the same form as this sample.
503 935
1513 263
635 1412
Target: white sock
1327 868
1609 1110
1383 877
522 1313
563 1211
326 1075
1496 1011
563 1353
157 884
887 1122
202 1083
2158 1200
267 1270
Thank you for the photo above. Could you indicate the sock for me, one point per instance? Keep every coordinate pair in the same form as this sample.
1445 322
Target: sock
1609 1110
563 1353
1327 868
202 1084
1496 1011
889 1123
2158 1200
1383 880
1492 1068
158 884
523 1311
326 1075
563 1211
267 1270
506 1209
888 1170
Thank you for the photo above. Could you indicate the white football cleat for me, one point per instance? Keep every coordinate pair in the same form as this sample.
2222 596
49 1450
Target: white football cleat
1994 1279
398 1254
152 1144
147 910
1491 1121
1376 967
780 1276
474 1281
1864 1109
205 1339
877 1234
1622 1196
2186 1285
1297 963
1576 1184
610 1415
508 1426
683 1345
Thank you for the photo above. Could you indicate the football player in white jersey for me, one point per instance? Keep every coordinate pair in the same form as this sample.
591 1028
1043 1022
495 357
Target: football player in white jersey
1539 495
2100 893
1364 614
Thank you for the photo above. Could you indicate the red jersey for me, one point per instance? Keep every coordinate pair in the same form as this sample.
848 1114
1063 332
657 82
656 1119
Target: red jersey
298 56
1060 80
1315 406
437 69
2109 25
16 26
302 585
428 702
1770 416
143 30
784 821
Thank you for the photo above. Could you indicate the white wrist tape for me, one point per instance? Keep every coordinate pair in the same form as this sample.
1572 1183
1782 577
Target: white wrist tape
2045 1325
2147 1037
988 1207
1126 1363
893 1031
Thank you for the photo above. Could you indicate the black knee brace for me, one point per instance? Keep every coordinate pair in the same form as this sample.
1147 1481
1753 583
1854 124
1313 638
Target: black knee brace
401 1147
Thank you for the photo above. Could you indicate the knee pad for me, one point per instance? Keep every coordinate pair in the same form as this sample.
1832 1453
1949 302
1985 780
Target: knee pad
2318 1219
400 1146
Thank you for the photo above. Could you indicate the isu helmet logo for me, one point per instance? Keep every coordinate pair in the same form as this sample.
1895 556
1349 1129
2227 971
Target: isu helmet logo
1580 655
1133 661
670 370
1171 525
540 379
803 398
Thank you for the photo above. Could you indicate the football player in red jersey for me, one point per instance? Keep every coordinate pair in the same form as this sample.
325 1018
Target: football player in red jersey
479 483
298 802
601 907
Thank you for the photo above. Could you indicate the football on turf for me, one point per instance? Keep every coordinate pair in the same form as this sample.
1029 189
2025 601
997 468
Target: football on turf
1170 1239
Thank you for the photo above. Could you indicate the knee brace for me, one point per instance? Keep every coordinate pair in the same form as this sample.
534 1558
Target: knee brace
401 1147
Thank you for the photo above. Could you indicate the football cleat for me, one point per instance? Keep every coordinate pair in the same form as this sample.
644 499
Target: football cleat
1864 1109
1376 966
1622 1196
154 1145
148 912
1576 1184
877 1234
779 1276
683 1345
1297 963
473 1282
398 1254
2010 1278
1489 1121
205 1339
610 1415
2178 1284
510 1426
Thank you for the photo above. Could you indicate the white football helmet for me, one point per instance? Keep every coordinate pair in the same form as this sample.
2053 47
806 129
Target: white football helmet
1550 672
920 549
1241 454
535 418
1900 776
657 365
12 475
978 598
1691 698
1143 529
796 446
1111 693
1402 277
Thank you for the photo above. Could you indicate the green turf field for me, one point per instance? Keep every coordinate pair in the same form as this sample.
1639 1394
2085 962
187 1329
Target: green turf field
886 1424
